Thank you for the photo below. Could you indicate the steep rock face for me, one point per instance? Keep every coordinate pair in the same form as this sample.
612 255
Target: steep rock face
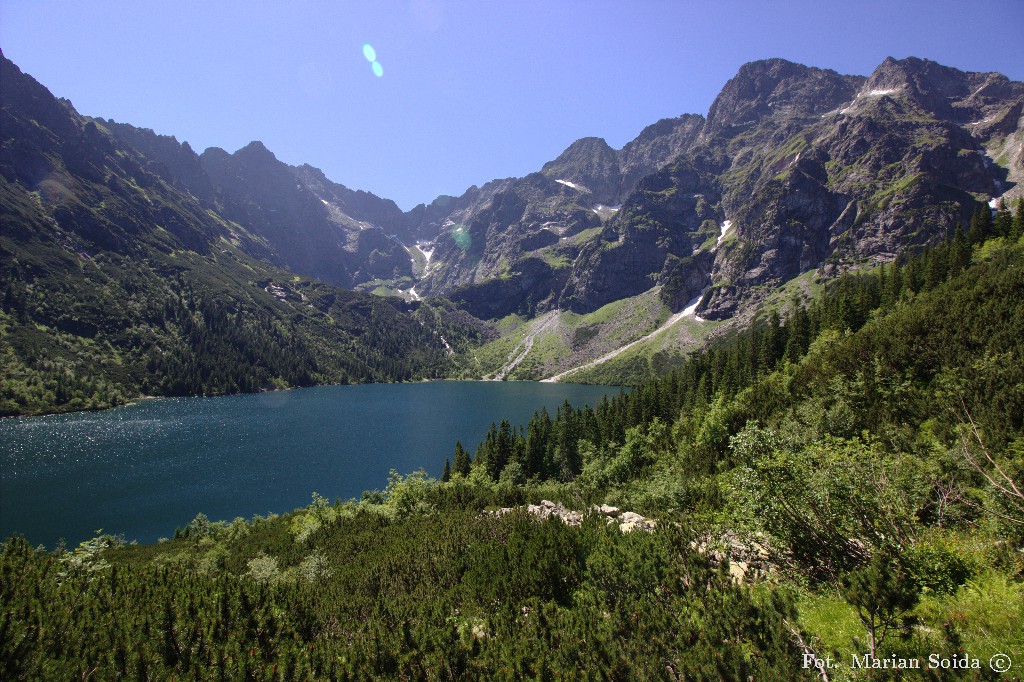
315 227
257 190
175 162
656 146
363 207
84 188
548 217
23 158
590 165
426 222
610 175
897 165
664 234
507 220
530 285
308 223
809 168
1007 149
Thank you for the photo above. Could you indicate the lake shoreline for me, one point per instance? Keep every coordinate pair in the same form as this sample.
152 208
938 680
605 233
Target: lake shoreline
144 398
141 470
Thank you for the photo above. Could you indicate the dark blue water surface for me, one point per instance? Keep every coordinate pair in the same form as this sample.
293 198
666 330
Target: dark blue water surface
145 469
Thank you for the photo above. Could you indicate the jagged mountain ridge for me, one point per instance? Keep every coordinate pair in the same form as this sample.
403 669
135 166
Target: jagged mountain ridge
351 238
895 167
313 226
511 248
806 168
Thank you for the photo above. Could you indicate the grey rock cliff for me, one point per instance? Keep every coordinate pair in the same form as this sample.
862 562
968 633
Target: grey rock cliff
810 168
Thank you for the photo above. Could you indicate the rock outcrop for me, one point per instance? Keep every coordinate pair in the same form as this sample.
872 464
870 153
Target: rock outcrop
749 558
626 521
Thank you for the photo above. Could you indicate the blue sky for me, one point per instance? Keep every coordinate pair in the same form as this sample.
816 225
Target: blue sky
469 91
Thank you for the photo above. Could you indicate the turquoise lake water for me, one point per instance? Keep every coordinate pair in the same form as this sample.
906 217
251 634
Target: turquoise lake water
145 469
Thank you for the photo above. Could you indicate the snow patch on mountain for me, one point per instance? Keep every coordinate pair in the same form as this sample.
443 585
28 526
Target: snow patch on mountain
725 228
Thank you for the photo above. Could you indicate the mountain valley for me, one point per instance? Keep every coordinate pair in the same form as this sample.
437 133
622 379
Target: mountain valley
814 293
795 172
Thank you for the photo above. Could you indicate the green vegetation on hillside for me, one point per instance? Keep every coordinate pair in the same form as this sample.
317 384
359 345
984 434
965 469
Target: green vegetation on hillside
436 591
840 479
117 281
85 332
109 305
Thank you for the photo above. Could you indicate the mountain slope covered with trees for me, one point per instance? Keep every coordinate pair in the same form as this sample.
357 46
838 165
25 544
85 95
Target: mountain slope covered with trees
116 282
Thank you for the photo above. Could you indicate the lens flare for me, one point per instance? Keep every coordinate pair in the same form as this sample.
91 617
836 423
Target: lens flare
460 233
378 70
369 53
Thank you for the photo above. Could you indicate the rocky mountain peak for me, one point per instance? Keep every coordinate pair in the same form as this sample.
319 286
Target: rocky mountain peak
777 88
942 90
584 147
926 83
588 164
21 95
255 151
656 146
357 204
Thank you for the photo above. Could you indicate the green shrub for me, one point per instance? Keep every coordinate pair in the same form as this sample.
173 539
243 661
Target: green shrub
938 565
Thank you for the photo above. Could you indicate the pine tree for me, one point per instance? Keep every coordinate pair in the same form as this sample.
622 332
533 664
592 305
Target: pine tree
1003 225
1018 220
462 462
959 252
882 593
981 225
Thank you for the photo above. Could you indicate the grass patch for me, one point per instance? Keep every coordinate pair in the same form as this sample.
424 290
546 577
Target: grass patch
832 622
986 614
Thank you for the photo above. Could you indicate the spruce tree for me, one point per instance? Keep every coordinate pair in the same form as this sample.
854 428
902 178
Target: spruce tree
981 225
799 334
959 252
462 462
1003 224
1018 220
538 433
